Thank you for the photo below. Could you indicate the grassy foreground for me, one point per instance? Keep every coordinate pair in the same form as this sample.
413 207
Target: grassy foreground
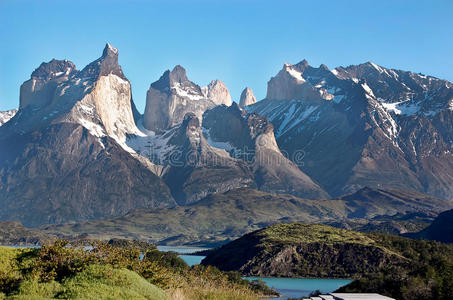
113 271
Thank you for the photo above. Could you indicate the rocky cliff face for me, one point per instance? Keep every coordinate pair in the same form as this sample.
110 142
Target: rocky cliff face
218 93
196 169
98 98
6 115
64 153
173 96
250 137
364 126
247 97
291 84
39 90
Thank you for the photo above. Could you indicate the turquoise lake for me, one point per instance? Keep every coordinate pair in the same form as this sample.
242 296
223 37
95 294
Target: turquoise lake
287 287
189 259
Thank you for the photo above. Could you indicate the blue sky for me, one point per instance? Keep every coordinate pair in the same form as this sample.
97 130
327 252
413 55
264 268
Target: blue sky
243 43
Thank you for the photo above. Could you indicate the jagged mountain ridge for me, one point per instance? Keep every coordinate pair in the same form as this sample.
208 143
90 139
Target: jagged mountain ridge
195 141
97 97
170 98
63 156
194 160
357 130
75 138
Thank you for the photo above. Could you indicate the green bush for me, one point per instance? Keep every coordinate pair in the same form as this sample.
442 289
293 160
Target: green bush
165 259
113 270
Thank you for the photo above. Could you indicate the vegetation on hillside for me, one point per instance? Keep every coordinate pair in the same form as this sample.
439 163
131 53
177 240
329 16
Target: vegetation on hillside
115 270
429 275
395 266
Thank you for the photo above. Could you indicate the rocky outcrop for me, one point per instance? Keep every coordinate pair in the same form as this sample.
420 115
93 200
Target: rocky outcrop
63 157
196 169
290 84
251 138
6 115
247 97
173 96
364 125
39 90
106 65
218 93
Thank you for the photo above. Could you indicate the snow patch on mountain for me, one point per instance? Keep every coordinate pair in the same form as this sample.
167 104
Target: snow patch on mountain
155 147
216 144
294 73
93 128
186 92
368 90
450 104
5 116
295 114
376 67
402 108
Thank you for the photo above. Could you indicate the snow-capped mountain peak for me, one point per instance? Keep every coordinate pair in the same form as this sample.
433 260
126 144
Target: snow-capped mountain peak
98 98
171 97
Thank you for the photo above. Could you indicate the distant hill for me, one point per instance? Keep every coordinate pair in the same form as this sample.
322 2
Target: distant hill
219 218
440 230
14 233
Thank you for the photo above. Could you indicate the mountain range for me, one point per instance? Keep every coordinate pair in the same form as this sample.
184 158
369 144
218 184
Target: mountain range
364 125
78 149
